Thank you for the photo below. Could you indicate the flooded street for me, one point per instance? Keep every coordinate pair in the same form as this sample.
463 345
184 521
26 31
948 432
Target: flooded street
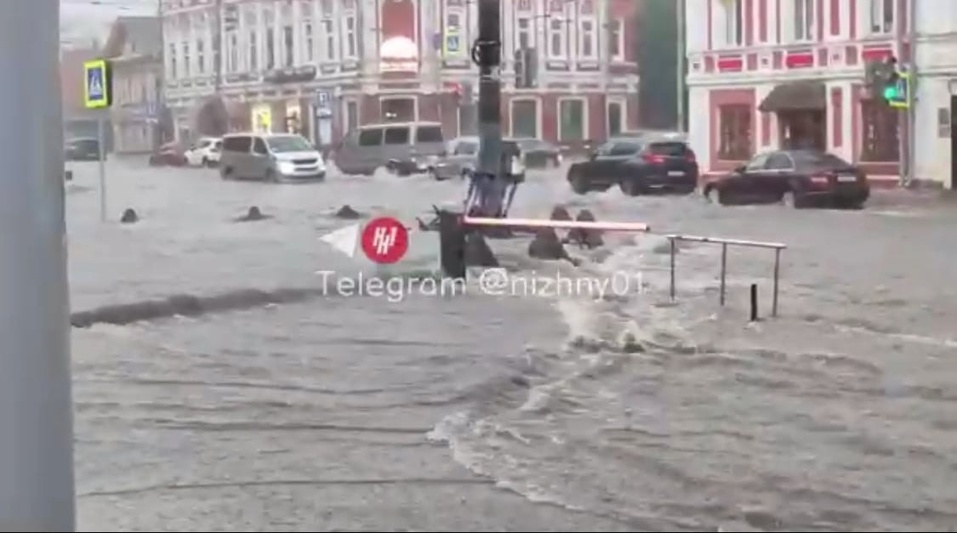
509 413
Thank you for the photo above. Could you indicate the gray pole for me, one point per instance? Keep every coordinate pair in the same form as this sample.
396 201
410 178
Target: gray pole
681 66
101 164
910 112
490 91
36 406
218 44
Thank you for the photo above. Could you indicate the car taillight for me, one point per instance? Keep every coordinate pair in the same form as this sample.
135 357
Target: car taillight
653 158
821 179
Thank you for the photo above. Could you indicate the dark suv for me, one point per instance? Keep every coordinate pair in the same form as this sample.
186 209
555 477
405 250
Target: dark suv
638 165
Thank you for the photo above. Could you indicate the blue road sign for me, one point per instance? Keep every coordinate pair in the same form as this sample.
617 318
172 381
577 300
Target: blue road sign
452 45
97 84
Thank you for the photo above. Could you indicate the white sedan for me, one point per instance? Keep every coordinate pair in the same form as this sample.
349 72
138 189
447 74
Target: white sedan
206 152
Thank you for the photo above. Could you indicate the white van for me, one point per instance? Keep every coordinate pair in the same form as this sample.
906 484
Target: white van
270 157
402 148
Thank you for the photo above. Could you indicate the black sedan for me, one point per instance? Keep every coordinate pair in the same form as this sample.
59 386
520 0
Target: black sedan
638 165
539 154
797 178
82 149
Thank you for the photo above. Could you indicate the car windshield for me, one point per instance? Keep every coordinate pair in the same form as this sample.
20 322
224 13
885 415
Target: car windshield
809 159
288 143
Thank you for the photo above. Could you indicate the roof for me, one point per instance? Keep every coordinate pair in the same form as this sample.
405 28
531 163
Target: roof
808 95
135 36
399 124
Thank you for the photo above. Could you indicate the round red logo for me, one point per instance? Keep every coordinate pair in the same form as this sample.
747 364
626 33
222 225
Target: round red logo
385 240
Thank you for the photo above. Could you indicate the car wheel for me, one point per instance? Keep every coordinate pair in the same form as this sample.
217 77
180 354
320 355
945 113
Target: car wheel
578 183
789 198
629 187
713 195
271 176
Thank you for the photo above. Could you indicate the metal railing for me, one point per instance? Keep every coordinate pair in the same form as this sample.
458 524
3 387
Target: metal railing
777 247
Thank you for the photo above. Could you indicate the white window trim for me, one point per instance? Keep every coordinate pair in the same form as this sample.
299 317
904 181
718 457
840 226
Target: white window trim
586 120
538 113
562 33
623 103
606 31
592 40
529 31
876 7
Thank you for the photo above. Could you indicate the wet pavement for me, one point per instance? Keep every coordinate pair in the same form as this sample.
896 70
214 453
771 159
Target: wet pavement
512 413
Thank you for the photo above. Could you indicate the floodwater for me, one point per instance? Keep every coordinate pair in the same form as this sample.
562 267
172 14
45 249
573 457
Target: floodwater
521 413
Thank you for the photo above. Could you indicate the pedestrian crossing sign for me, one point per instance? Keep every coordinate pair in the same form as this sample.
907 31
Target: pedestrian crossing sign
97 84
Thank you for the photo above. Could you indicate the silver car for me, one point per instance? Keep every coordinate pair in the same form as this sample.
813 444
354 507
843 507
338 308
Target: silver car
270 157
461 159
402 148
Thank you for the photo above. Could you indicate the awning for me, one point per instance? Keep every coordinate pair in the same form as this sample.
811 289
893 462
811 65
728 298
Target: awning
795 96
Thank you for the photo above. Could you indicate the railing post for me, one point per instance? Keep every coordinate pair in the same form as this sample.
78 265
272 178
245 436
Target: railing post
724 270
777 275
672 241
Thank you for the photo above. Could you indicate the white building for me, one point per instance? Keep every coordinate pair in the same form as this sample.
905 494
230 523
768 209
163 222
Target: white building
400 59
761 71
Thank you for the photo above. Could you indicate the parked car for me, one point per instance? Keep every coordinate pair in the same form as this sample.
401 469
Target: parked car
82 149
797 178
170 154
461 159
539 154
204 153
402 148
270 157
638 165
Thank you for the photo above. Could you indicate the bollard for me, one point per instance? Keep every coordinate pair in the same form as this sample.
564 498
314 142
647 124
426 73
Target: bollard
754 302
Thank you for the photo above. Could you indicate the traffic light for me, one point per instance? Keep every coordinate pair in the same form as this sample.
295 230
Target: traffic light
888 82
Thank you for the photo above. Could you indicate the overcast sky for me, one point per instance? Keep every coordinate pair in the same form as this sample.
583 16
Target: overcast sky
82 21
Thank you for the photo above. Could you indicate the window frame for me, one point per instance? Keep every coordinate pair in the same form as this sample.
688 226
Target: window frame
562 136
735 132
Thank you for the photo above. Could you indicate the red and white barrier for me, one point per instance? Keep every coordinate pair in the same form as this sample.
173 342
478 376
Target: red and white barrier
632 227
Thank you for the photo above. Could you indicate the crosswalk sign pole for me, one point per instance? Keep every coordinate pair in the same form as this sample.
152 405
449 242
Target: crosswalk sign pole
36 405
101 141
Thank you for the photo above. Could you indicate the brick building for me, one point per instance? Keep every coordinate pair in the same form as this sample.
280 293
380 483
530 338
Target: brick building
400 59
763 73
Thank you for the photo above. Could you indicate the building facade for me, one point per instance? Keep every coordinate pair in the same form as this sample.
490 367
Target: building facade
78 121
365 61
770 73
135 51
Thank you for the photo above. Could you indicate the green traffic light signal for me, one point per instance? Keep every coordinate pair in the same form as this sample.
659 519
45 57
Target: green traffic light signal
891 93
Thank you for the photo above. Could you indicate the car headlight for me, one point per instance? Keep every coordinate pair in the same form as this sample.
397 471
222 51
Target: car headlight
286 167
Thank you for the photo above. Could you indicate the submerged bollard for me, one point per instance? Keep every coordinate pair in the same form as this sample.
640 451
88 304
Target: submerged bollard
673 250
754 302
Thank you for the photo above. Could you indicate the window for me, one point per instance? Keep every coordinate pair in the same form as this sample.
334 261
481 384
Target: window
200 57
616 115
330 36
453 21
882 16
351 36
429 134
616 40
186 65
586 39
287 46
734 143
879 132
734 23
309 44
466 148
524 119
621 149
758 162
370 137
779 161
237 144
289 143
259 146
524 33
253 52
270 49
556 38
352 115
803 20
232 61
571 125
172 61
396 136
